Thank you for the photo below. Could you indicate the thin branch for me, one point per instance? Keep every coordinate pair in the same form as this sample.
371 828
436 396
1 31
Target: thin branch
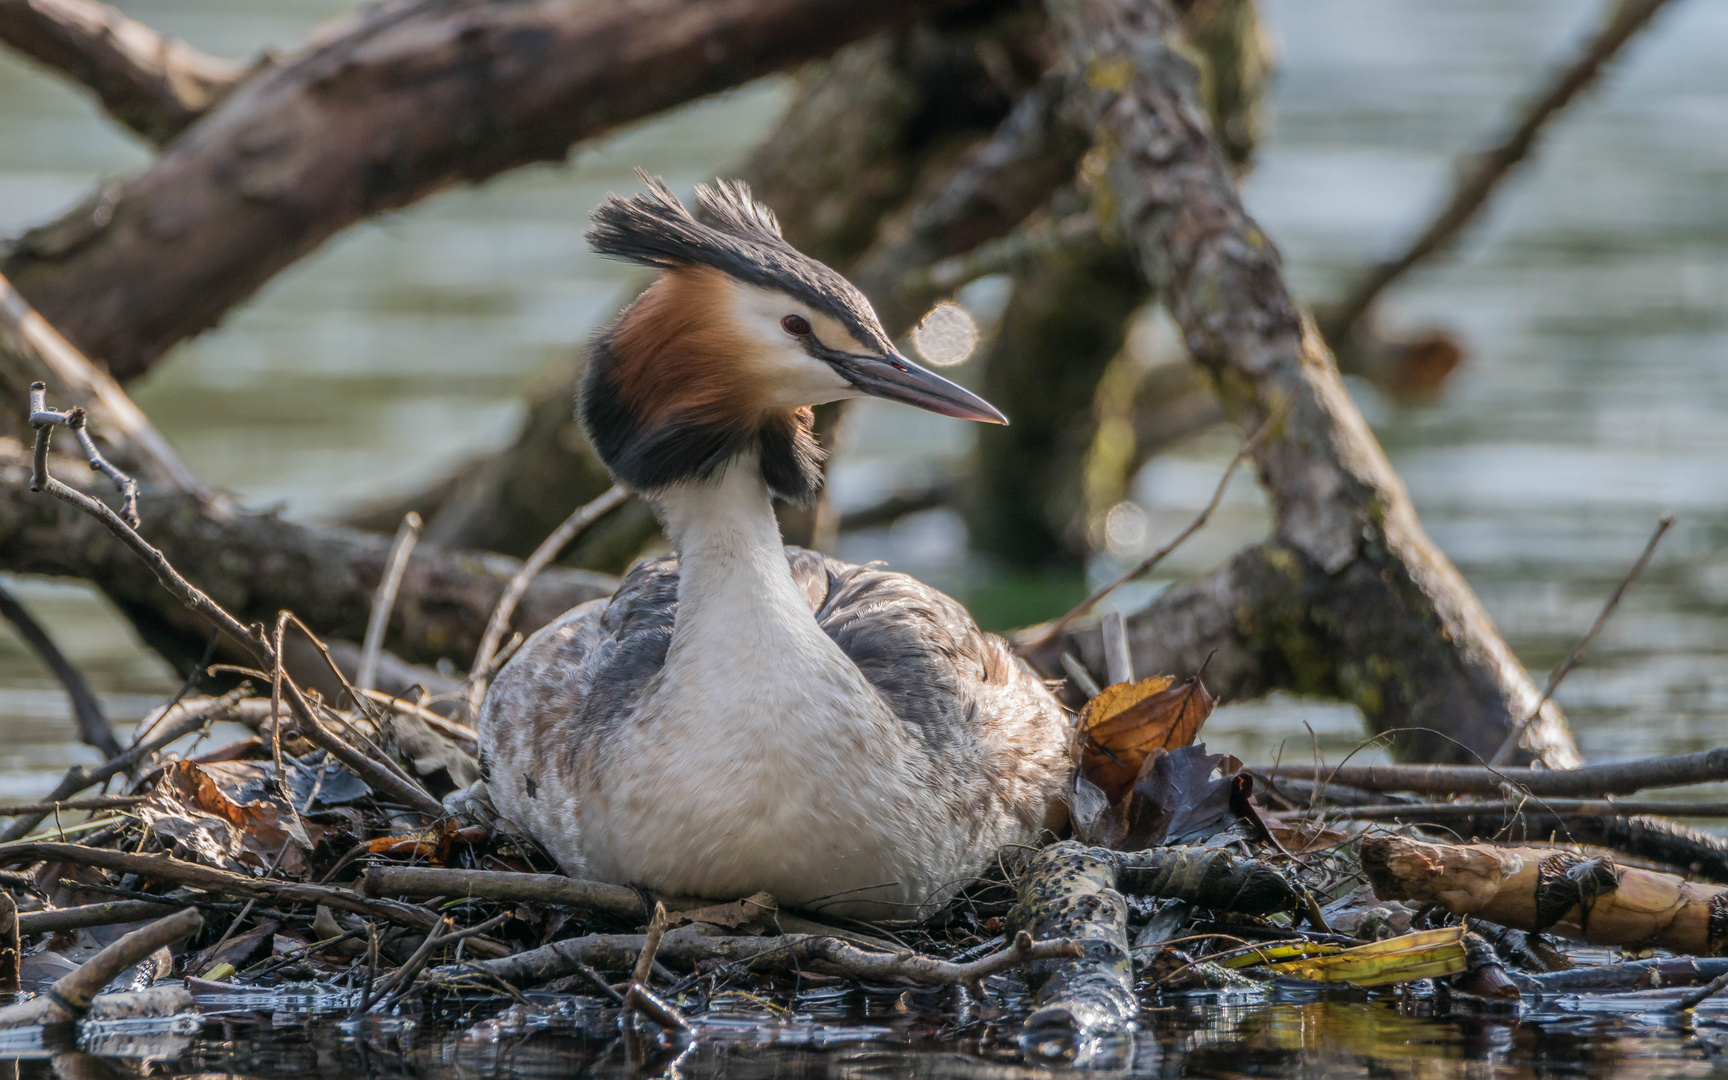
93 726
1055 629
251 638
1483 174
172 871
561 537
1576 656
366 678
1452 811
1588 781
100 802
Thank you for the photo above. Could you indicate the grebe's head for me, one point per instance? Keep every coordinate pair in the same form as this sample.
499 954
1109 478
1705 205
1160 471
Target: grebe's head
728 350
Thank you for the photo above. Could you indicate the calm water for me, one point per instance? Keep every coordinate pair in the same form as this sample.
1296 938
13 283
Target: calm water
1594 301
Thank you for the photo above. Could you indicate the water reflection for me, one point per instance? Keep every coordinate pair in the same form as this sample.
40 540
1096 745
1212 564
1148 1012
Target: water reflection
865 1036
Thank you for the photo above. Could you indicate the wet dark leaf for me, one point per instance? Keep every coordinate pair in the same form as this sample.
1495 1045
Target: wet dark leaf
1181 796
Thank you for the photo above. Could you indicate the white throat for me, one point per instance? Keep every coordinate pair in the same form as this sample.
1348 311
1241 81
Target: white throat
736 595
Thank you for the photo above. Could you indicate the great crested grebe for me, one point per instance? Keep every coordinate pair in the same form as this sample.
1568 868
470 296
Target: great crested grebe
744 716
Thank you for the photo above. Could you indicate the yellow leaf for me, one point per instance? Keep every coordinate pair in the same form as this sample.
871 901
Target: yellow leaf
1427 954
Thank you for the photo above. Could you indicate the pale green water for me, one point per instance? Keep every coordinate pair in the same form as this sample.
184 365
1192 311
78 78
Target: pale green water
1595 304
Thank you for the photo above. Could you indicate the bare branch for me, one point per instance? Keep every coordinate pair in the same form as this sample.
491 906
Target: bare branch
1482 175
154 85
385 599
1344 522
566 533
411 99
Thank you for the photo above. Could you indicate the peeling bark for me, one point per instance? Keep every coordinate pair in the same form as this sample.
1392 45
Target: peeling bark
1393 625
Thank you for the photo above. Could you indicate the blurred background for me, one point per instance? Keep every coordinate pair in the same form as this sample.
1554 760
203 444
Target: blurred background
1592 300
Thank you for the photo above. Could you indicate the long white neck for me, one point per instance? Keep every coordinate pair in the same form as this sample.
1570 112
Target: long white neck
738 605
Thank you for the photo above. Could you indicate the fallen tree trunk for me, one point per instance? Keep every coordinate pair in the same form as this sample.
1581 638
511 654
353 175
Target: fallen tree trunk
256 564
411 99
1388 623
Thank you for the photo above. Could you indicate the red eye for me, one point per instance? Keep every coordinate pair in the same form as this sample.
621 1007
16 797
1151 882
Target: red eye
796 325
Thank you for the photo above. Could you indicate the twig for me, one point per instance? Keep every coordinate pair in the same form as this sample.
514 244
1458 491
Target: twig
650 946
1576 656
187 593
77 778
402 788
111 913
385 599
1478 181
166 868
1695 998
1253 443
687 946
560 538
1589 781
1118 660
645 1001
1449 811
93 727
44 419
401 981
100 802
85 380
504 886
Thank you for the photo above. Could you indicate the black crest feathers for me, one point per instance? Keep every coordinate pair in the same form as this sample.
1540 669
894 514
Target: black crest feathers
737 236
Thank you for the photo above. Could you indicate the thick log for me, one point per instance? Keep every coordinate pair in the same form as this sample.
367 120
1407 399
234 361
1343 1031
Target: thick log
411 99
256 564
1394 626
1543 889
154 85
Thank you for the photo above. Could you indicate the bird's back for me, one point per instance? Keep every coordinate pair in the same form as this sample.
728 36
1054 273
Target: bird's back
982 719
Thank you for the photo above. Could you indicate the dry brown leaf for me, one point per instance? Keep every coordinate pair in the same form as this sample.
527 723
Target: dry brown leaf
1127 722
759 908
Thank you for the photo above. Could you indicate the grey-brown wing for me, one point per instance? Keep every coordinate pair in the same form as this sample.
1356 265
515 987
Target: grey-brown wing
945 679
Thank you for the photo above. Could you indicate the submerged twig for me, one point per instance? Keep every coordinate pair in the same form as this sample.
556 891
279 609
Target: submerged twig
395 565
1576 656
